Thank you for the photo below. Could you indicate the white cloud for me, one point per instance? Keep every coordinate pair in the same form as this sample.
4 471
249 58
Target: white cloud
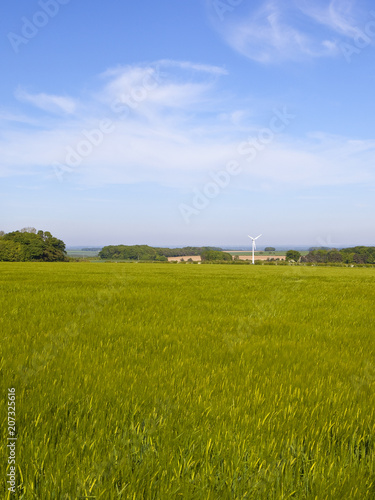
6 116
204 68
317 160
289 30
47 102
151 143
337 15
165 83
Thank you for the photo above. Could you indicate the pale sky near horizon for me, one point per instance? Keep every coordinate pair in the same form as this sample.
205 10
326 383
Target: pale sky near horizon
189 123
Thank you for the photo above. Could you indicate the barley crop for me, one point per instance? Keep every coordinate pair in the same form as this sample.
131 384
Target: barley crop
153 381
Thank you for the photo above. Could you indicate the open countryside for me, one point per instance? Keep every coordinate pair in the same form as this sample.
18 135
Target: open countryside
215 381
242 255
187 250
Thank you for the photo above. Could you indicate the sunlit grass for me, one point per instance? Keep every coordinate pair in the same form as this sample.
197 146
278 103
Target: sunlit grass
197 382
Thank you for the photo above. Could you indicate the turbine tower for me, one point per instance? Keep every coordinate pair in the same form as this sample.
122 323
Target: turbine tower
254 245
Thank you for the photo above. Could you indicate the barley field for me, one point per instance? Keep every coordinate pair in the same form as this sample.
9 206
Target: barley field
158 381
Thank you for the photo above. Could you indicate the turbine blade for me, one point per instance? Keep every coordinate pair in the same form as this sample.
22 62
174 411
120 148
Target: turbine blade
251 237
258 236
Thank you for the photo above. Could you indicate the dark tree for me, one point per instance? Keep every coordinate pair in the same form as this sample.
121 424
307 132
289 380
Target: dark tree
145 252
28 245
212 255
293 255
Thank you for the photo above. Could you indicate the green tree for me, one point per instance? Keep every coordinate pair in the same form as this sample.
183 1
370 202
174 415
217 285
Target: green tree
10 251
212 255
145 252
334 256
28 245
293 255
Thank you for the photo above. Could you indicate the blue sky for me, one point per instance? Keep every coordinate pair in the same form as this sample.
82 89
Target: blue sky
175 123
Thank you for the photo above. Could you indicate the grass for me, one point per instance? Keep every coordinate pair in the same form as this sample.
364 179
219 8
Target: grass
194 382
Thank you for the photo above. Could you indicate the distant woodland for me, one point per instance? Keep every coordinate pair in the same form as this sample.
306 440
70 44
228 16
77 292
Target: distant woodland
28 244
354 255
145 252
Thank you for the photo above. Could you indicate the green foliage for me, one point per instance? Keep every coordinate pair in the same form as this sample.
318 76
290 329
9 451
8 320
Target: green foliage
292 255
270 249
359 255
180 252
166 382
355 255
211 255
27 245
135 252
145 252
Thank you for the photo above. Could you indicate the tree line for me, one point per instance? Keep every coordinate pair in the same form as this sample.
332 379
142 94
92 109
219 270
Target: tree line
145 252
216 255
353 255
28 244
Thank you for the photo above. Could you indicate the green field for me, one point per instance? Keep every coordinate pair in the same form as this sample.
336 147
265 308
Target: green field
148 381
82 253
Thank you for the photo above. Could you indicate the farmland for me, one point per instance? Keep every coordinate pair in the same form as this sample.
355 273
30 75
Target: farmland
276 253
83 253
157 381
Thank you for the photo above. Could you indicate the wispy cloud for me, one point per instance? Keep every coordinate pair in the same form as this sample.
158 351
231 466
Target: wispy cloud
204 68
47 102
168 84
318 159
6 116
295 30
340 16
175 136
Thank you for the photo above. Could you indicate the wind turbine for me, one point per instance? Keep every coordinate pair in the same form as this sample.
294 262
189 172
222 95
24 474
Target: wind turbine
254 245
